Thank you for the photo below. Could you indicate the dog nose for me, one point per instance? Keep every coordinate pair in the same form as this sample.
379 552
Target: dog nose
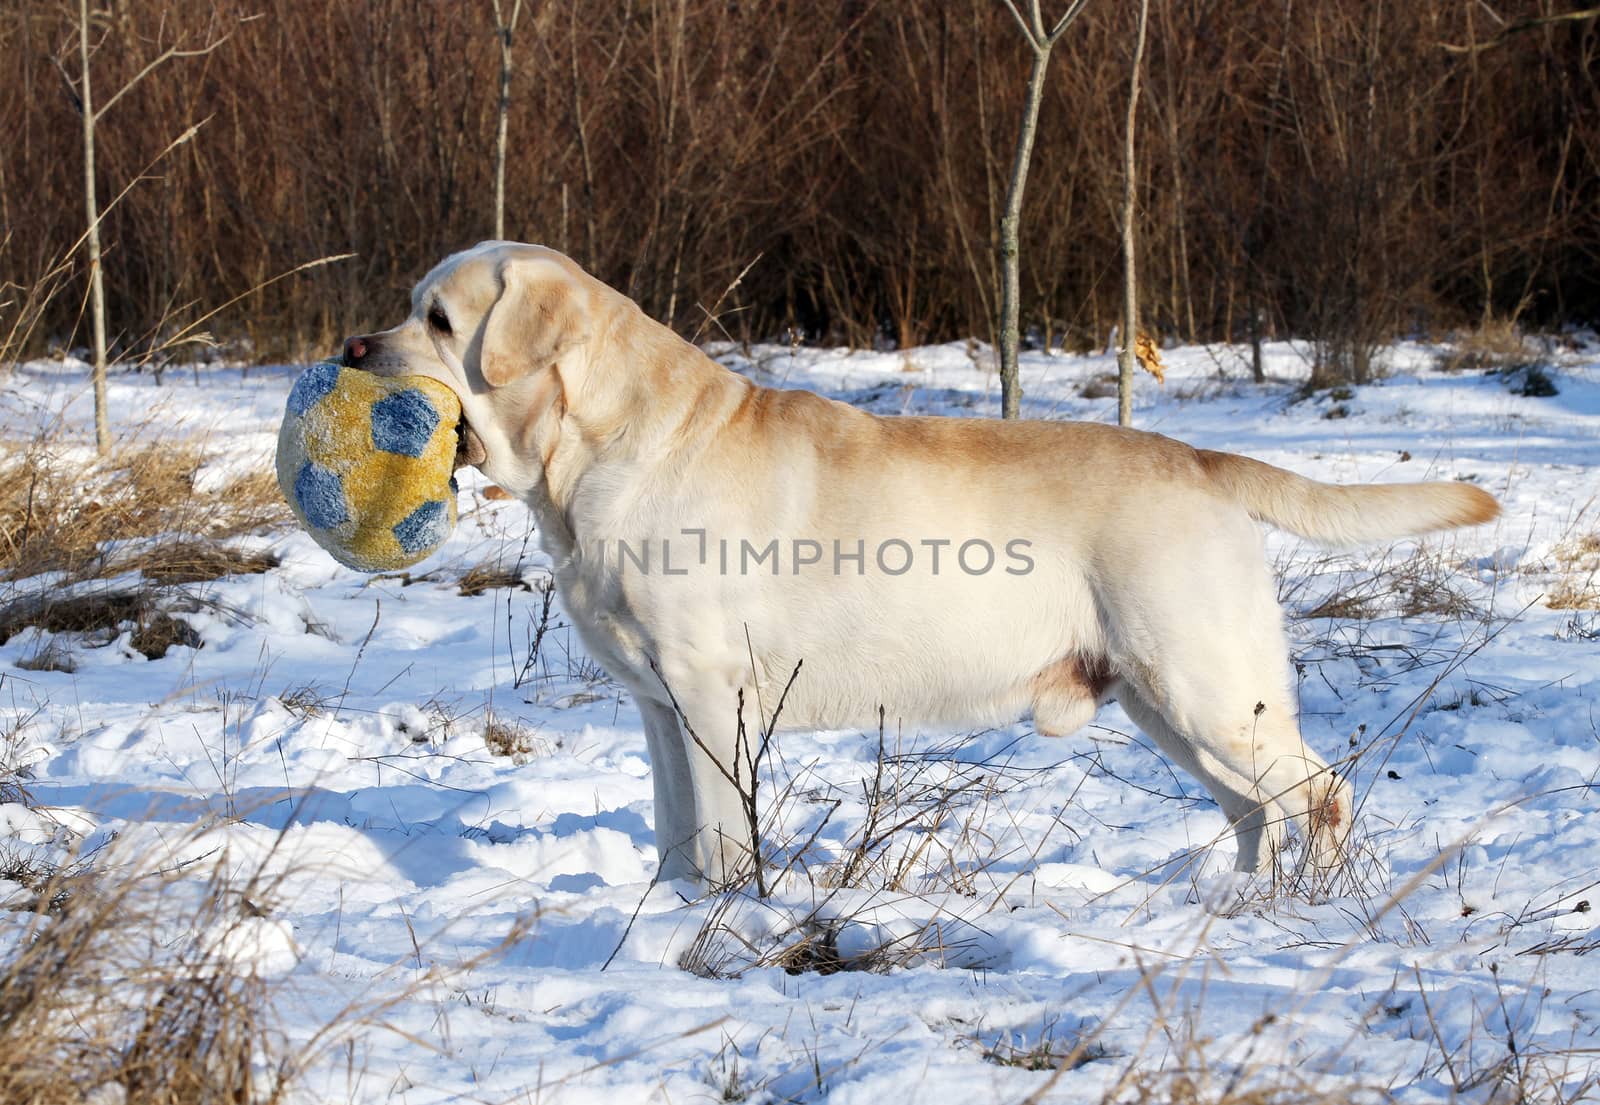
354 350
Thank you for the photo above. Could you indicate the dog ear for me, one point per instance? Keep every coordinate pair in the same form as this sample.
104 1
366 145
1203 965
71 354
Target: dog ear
536 319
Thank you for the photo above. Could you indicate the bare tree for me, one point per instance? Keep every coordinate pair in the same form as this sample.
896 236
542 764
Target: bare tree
91 118
1040 42
1130 267
503 29
97 284
1253 234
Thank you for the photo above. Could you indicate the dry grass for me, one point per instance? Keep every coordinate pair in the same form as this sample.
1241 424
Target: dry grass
152 977
1043 1054
140 513
1207 1083
123 985
1421 582
510 738
492 575
1047 1050
307 700
892 894
1578 560
1568 595
1181 1061
832 934
137 510
96 618
923 829
1496 345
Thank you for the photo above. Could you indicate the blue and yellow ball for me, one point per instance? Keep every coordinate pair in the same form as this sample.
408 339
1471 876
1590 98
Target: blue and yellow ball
366 461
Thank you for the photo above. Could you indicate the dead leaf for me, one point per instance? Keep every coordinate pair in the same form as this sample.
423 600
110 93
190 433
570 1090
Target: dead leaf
1149 357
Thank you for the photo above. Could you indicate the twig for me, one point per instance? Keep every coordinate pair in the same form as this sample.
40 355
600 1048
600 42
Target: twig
377 612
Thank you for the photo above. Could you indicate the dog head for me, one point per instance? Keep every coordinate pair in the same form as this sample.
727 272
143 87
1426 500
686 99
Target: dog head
508 327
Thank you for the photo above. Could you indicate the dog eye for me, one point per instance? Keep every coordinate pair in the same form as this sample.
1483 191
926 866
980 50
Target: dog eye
439 320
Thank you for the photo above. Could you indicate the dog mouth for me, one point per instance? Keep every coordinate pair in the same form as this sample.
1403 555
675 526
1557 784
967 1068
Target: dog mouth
469 446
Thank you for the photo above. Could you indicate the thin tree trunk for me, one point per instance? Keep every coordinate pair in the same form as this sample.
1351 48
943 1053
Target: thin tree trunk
91 116
97 286
1184 307
1258 366
581 129
1040 41
503 33
1130 281
1255 291
1010 220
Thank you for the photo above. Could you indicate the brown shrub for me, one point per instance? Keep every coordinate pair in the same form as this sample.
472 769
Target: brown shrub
1313 172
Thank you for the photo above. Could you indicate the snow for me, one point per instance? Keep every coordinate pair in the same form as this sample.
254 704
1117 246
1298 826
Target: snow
331 734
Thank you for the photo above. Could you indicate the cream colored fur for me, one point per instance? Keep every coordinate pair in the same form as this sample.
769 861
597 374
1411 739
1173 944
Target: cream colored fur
1146 582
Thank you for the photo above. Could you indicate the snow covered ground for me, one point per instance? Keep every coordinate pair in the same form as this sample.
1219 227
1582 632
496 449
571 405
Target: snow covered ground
425 784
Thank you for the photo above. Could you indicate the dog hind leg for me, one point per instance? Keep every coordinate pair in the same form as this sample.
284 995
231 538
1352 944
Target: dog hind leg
1201 651
1253 761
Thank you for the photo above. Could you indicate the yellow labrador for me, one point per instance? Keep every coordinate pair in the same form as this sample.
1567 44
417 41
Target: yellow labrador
709 534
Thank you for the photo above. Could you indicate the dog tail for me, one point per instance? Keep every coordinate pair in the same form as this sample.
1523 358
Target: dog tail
1330 514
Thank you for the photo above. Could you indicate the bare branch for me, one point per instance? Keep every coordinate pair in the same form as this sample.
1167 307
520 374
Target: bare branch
267 283
72 87
712 314
1130 264
1066 20
1027 31
500 22
1532 22
160 59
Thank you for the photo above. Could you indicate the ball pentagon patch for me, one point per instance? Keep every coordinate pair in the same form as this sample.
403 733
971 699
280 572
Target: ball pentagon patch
365 462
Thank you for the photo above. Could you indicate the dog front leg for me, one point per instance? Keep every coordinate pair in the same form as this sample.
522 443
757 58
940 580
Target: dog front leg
702 772
722 766
674 792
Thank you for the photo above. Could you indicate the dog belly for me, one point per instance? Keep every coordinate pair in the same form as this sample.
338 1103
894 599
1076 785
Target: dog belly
940 654
949 691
